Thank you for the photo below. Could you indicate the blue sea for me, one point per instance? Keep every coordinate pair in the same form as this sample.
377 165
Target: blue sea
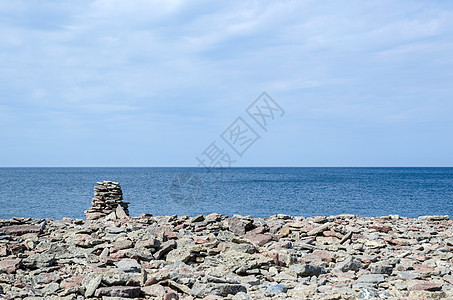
66 192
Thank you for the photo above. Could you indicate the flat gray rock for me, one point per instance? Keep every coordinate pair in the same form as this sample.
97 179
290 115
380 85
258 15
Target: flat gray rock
128 265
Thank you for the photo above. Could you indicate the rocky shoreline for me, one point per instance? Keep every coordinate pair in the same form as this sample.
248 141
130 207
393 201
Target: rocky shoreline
221 257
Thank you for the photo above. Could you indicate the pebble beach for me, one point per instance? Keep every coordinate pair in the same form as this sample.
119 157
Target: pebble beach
220 257
110 255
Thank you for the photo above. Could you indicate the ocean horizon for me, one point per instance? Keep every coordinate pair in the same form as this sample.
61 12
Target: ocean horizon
57 192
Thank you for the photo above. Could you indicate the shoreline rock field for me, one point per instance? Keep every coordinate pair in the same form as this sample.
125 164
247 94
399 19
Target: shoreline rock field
220 257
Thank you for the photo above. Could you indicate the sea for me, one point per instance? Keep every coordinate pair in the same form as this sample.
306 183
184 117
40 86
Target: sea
260 192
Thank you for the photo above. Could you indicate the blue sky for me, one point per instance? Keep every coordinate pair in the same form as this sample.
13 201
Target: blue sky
153 83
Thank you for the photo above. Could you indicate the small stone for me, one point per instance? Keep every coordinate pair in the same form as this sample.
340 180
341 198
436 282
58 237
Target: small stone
128 265
241 296
155 290
426 295
381 269
349 264
114 230
239 225
434 218
123 243
199 218
319 229
371 279
306 270
120 213
3 251
51 288
104 256
284 277
201 290
175 255
165 248
277 289
91 283
149 243
118 291
368 293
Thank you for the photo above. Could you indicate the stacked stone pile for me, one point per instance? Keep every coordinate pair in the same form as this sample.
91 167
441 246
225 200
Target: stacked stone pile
108 202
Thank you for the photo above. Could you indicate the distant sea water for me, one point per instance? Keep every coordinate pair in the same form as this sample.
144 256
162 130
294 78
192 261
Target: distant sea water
261 192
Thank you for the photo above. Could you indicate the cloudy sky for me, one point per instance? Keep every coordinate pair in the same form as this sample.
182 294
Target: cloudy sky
154 83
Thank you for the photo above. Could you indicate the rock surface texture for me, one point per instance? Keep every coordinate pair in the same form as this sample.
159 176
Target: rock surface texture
220 257
108 202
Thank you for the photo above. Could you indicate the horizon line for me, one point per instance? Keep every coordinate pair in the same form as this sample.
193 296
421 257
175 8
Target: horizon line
236 167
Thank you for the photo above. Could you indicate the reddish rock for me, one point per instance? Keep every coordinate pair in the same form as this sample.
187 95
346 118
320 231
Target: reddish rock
422 268
365 260
119 254
275 257
324 255
171 296
421 258
399 242
381 228
150 281
21 229
310 258
214 251
73 281
82 237
259 239
199 240
10 265
307 227
258 230
198 229
180 226
432 287
171 235
155 290
329 233
94 215
46 278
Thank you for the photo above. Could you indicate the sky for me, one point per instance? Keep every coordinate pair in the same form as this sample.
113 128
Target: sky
154 83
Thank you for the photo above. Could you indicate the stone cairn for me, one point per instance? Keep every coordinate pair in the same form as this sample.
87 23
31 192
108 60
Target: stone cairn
108 202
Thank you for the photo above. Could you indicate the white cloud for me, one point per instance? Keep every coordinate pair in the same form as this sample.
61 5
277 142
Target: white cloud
203 61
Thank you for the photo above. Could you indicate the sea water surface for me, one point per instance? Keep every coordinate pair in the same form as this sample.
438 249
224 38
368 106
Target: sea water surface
260 192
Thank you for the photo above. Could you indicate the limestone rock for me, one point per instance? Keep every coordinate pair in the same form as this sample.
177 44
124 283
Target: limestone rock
108 202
